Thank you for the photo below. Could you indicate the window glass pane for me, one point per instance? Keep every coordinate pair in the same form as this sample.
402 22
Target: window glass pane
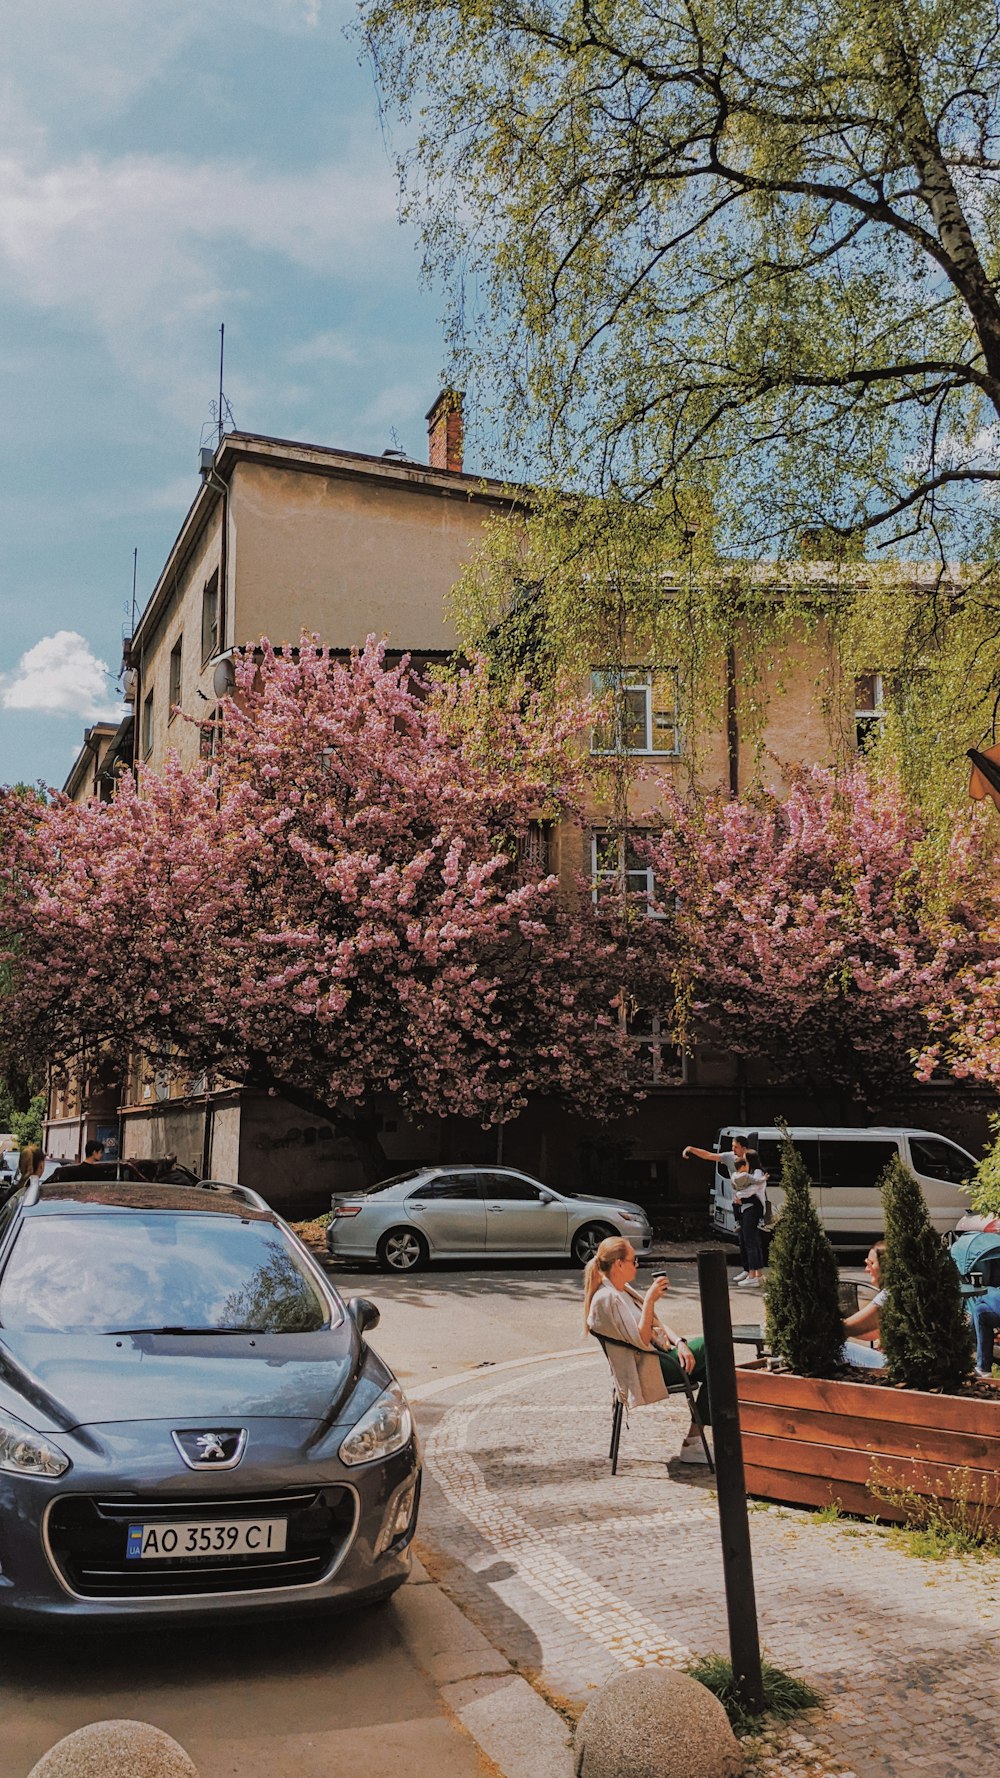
664 736
866 693
769 1150
634 705
509 1187
940 1159
854 1164
447 1188
175 674
137 1270
607 852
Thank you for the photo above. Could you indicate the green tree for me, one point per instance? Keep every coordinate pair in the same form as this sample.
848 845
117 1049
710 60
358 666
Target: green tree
728 270
984 1187
742 247
804 1324
923 1327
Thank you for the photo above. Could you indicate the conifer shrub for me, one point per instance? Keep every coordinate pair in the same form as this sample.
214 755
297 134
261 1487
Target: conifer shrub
923 1328
804 1324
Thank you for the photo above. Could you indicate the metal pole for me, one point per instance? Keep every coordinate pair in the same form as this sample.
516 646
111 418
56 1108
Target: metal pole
734 1522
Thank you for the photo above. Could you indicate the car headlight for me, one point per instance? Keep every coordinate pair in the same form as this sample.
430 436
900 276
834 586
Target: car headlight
631 1216
385 1429
23 1452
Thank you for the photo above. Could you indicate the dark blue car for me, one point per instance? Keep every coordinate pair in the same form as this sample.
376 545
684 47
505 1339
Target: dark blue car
191 1420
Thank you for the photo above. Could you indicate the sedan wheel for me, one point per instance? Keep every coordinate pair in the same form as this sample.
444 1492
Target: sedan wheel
587 1240
402 1250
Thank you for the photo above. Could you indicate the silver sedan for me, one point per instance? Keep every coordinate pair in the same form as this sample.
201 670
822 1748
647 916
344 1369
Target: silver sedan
475 1213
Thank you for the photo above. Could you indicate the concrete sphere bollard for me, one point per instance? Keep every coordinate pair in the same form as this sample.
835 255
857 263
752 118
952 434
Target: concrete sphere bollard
116 1749
653 1723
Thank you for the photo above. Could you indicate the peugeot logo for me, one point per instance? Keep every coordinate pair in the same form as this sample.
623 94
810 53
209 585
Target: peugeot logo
211 1450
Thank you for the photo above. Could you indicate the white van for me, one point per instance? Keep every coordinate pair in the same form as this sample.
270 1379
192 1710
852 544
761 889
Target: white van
845 1166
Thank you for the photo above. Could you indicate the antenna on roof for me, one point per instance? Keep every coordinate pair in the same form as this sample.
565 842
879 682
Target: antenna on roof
135 568
220 410
222 360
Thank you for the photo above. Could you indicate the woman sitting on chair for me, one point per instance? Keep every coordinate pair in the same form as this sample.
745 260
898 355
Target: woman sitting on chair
613 1310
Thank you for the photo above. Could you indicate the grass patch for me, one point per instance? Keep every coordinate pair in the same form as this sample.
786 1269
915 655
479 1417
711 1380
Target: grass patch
828 1515
934 1527
784 1695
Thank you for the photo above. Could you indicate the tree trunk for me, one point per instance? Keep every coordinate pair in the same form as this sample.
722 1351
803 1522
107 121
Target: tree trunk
360 1129
923 148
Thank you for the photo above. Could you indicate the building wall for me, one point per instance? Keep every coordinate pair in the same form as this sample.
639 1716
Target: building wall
344 556
180 620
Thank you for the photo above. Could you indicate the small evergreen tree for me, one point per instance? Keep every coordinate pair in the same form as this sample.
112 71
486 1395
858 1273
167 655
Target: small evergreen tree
804 1325
925 1334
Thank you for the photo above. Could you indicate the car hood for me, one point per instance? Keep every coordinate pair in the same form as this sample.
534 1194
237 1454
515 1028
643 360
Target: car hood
611 1203
61 1381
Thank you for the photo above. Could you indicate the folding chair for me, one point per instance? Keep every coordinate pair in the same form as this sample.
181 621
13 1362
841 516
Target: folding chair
683 1387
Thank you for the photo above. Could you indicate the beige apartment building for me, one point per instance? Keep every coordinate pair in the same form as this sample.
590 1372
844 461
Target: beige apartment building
283 537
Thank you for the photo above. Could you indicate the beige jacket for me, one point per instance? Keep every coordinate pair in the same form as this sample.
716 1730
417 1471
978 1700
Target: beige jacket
638 1377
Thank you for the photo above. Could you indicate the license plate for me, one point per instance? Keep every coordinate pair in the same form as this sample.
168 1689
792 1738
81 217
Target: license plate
199 1539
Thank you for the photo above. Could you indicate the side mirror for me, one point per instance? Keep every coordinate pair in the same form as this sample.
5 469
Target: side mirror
363 1313
546 1198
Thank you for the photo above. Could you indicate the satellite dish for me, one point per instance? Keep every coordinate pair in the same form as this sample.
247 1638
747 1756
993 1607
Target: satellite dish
224 678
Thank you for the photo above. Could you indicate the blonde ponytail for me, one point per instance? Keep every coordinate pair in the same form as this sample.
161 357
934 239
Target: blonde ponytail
614 1248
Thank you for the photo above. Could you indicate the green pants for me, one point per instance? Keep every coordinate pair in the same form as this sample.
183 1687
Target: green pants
673 1370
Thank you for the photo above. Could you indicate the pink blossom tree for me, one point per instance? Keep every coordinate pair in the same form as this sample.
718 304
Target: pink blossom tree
335 909
815 929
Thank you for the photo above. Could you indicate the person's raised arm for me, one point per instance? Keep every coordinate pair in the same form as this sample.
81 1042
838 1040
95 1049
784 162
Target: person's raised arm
864 1321
699 1154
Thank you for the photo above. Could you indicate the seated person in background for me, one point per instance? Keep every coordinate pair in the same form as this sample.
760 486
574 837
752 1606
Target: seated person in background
616 1311
864 1324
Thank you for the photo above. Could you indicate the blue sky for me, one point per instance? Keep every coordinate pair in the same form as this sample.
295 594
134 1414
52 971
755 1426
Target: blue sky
164 168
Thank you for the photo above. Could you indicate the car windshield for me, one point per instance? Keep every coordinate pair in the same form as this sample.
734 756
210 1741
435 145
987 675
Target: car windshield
152 1272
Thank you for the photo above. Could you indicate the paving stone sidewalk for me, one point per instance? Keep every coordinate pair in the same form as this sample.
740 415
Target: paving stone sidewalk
573 1574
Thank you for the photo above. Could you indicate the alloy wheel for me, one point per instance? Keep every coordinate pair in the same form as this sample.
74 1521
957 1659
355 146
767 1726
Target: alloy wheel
402 1250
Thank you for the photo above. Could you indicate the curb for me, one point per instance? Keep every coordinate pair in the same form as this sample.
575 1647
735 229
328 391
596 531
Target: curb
519 1734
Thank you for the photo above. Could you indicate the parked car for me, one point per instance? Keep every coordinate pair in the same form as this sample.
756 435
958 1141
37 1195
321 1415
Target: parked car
191 1420
845 1166
475 1213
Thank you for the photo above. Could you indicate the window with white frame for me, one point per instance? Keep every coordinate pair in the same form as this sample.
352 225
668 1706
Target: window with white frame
640 710
869 707
617 871
662 1061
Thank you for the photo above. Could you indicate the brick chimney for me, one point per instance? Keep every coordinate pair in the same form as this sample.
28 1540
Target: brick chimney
444 431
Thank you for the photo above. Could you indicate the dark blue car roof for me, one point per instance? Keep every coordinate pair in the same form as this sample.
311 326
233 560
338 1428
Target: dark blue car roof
82 1195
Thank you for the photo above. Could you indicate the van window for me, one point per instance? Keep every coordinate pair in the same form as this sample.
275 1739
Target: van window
854 1164
769 1149
940 1159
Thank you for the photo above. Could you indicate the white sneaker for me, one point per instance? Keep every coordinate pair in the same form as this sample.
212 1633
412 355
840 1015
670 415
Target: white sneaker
748 1283
693 1451
740 1277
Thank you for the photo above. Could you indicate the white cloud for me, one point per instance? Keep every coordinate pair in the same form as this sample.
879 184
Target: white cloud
147 251
62 676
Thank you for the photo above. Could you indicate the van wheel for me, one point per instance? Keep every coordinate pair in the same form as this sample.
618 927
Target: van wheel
402 1250
587 1240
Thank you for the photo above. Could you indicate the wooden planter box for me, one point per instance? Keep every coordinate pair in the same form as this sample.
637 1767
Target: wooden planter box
813 1443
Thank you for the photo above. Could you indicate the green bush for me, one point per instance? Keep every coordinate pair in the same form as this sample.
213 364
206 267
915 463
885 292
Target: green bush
27 1125
984 1186
923 1328
804 1324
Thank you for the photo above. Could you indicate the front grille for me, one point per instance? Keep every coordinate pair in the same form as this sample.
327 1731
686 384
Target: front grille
87 1539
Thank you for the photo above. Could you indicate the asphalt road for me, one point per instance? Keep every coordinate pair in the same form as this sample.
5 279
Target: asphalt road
450 1319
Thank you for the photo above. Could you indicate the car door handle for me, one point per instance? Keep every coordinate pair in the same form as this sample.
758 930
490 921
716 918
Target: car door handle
417 1206
496 1209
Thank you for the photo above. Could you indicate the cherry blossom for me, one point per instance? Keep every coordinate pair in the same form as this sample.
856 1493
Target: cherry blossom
336 909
